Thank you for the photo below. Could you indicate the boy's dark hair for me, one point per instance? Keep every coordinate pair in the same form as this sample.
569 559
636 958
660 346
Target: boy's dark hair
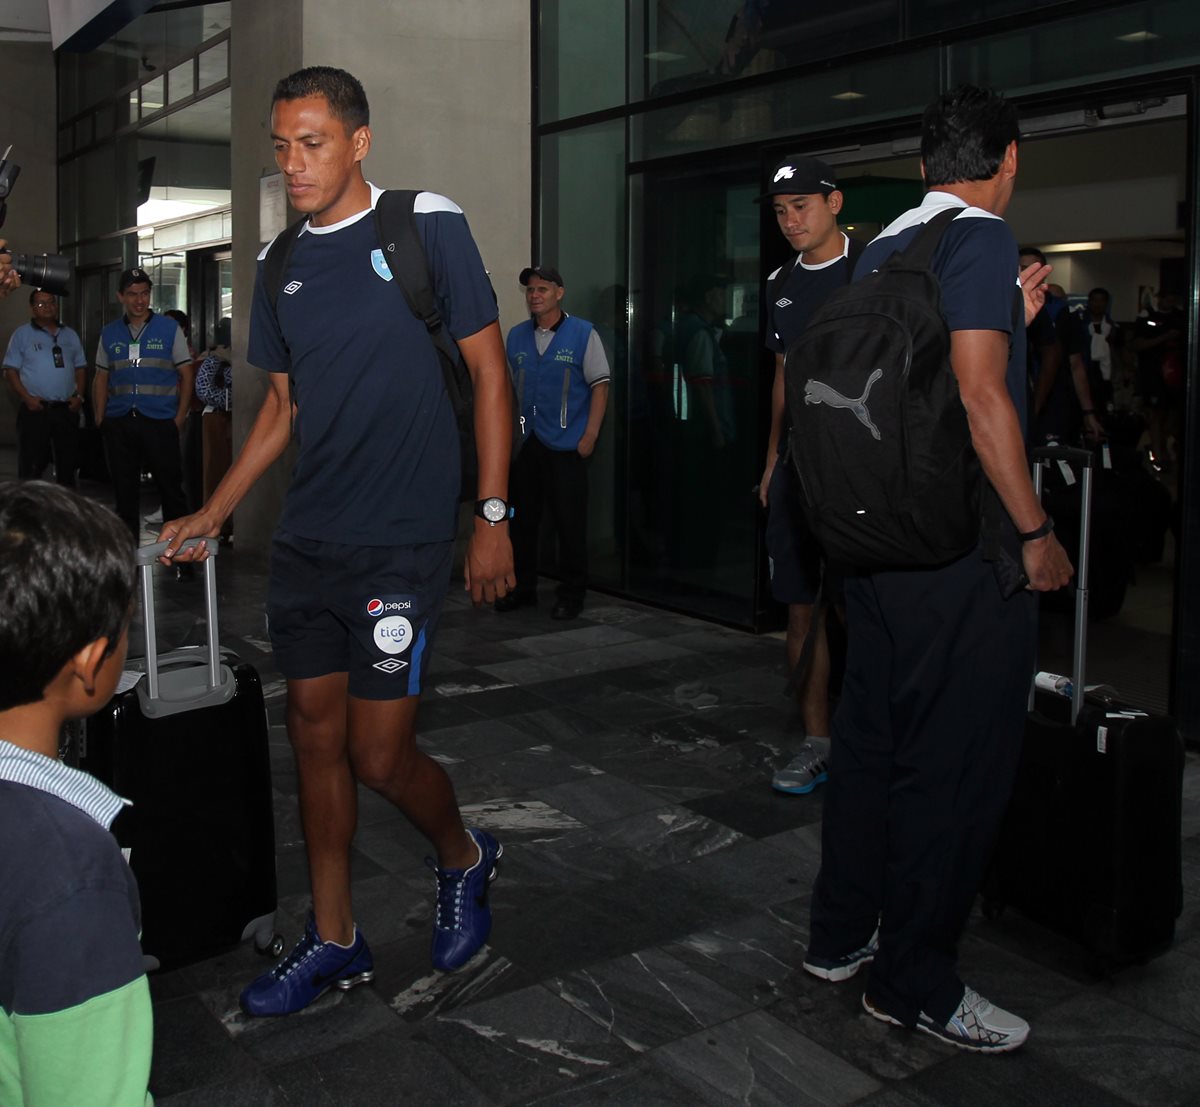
66 579
1099 292
345 95
964 134
1033 252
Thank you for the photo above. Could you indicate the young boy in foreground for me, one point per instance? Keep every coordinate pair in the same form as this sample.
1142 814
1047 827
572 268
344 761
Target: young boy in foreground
75 1017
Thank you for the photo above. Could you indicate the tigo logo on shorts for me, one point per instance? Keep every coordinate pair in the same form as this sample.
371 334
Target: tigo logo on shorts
393 634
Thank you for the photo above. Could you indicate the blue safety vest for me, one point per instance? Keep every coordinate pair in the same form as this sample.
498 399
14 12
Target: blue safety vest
551 388
149 383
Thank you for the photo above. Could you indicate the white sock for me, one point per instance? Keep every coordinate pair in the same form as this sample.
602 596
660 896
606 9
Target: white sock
820 744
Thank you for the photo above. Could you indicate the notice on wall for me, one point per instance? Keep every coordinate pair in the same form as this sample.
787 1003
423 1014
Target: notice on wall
272 206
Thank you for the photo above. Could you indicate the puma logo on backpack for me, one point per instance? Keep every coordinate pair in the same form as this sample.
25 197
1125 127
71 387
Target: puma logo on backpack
898 486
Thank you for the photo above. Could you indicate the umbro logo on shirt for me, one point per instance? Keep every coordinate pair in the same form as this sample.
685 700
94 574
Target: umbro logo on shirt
785 302
292 287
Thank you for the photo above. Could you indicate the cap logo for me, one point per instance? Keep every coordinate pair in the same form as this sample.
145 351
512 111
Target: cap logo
784 171
828 184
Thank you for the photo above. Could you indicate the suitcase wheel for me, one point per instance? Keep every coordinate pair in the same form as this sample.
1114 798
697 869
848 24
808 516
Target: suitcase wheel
992 909
273 948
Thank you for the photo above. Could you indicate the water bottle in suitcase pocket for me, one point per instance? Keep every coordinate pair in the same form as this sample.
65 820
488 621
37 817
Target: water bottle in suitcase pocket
186 740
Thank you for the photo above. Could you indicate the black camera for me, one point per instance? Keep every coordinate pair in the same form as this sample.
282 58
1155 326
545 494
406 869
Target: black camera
52 272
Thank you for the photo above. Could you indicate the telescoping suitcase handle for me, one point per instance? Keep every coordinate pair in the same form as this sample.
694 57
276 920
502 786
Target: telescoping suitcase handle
1084 461
146 558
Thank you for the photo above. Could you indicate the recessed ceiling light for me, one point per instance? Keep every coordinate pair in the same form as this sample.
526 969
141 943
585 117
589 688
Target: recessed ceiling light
1071 247
1137 36
849 94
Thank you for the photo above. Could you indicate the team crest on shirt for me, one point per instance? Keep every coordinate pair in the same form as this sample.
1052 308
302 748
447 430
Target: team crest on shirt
380 265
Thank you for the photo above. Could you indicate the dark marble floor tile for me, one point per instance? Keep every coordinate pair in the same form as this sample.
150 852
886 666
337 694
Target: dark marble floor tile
611 705
555 643
476 737
668 835
437 713
538 766
1120 1049
524 1044
520 819
190 1049
562 727
417 992
543 866
256 1089
637 1085
598 799
527 672
801 847
757 811
757 872
756 1059
504 703
1167 988
394 846
647 998
751 956
680 735
385 1069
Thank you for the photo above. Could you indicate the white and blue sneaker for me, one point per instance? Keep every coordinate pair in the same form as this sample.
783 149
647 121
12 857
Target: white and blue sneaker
837 969
802 774
977 1025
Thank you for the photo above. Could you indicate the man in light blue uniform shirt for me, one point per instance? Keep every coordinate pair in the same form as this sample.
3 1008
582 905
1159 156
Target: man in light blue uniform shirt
47 369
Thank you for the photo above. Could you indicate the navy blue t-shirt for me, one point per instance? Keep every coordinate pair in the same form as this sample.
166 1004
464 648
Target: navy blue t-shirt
976 266
791 305
378 461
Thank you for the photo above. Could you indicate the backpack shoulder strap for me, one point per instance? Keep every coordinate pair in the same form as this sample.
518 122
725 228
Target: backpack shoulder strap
275 263
919 253
396 225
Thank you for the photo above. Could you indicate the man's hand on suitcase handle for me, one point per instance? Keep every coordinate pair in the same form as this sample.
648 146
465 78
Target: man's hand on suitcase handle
1046 564
178 531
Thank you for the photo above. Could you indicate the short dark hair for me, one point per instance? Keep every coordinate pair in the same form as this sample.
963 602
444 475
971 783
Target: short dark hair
964 134
345 95
1033 251
181 317
1102 291
66 579
42 292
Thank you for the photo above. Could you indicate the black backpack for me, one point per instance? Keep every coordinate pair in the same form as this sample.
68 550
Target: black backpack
396 227
879 434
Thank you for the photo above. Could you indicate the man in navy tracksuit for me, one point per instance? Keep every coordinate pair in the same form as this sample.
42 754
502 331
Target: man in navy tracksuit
561 376
939 663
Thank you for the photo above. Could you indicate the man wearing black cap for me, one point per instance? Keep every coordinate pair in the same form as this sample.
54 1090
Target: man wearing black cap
804 194
561 376
140 396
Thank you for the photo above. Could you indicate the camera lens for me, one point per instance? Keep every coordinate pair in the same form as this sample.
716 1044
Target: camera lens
49 271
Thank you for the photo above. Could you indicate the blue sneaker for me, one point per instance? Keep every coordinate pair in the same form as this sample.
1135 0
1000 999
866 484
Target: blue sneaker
463 919
802 774
309 971
842 968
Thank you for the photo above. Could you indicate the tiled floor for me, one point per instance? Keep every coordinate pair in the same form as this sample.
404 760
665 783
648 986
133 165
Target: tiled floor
651 912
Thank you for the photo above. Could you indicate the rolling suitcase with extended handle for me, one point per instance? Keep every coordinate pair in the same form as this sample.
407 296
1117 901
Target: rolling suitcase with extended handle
1091 842
185 739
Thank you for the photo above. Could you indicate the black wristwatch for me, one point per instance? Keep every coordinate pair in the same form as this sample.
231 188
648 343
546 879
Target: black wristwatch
1038 532
494 510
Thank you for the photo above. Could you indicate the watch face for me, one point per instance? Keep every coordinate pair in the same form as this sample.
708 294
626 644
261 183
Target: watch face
494 509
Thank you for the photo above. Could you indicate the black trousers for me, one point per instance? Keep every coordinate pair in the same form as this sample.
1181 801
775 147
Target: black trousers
131 440
52 431
925 746
557 479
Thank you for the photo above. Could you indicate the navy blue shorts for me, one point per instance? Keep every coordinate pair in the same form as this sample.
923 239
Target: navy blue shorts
368 611
795 555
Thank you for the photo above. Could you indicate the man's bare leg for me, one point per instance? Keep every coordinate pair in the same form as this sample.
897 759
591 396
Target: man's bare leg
386 758
316 719
813 693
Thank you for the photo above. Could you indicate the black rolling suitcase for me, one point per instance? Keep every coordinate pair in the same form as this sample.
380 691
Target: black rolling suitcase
187 744
1090 845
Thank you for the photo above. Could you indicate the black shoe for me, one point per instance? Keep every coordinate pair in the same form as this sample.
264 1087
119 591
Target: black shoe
514 600
567 609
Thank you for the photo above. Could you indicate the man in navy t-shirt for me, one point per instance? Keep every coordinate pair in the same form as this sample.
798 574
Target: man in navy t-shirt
362 555
806 200
929 726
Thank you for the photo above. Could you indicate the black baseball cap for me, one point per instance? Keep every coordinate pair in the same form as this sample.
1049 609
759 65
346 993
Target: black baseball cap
546 272
800 176
133 276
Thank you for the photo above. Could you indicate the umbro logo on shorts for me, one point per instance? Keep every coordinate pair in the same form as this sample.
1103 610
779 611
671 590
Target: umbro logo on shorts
292 287
785 302
391 665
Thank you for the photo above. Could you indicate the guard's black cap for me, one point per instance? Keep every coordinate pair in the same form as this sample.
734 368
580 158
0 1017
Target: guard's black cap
546 272
800 176
133 276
